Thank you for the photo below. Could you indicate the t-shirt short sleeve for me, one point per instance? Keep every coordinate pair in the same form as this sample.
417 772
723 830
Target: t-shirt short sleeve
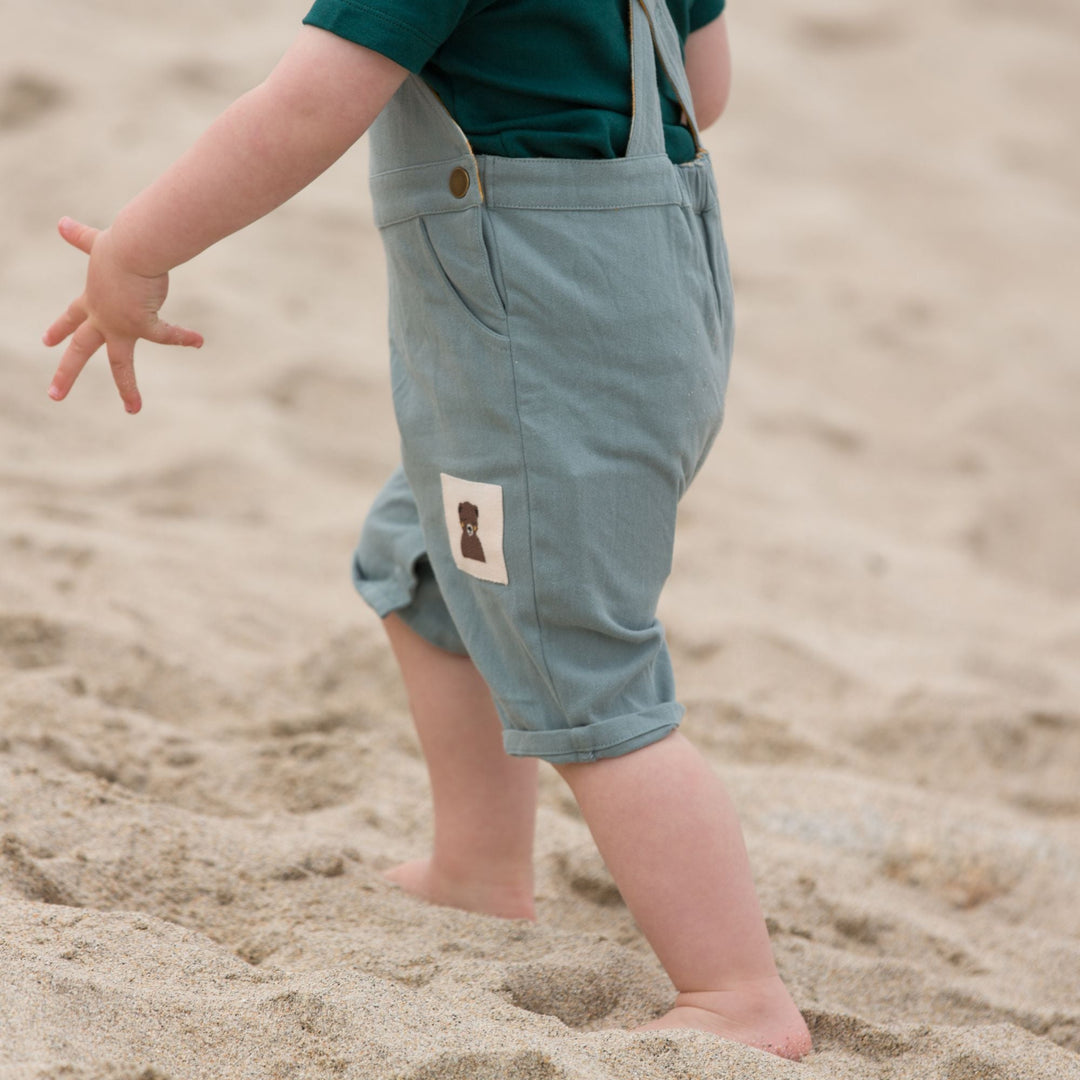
405 31
702 12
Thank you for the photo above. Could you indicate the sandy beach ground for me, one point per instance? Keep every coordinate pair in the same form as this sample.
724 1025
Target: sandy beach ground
205 757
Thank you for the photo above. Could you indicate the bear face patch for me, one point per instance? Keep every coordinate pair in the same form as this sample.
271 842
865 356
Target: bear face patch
469 518
474 527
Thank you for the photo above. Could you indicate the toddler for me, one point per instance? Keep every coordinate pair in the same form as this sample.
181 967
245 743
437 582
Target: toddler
560 330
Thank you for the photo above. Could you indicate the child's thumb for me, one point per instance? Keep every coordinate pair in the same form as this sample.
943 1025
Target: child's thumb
77 234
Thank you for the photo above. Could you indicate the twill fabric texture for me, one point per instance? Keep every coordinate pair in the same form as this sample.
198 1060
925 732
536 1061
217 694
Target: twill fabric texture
560 339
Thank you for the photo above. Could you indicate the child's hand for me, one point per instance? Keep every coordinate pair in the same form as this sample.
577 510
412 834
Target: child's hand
117 308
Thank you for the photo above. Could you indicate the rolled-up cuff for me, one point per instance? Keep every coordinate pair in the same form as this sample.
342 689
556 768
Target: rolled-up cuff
604 739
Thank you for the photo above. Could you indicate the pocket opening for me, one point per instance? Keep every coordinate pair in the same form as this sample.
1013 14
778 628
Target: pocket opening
472 278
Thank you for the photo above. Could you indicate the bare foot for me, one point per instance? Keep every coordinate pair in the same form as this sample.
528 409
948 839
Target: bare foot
759 1014
505 900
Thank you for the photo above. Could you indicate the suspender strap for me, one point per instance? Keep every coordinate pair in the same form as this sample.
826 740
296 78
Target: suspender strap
652 34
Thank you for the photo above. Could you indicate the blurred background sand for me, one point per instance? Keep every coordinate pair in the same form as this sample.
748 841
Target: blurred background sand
205 757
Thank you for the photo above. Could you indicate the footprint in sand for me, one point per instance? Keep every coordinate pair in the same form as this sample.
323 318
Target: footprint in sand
575 992
612 987
834 1030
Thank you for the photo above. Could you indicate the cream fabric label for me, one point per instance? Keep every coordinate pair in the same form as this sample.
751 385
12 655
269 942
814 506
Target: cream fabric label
474 524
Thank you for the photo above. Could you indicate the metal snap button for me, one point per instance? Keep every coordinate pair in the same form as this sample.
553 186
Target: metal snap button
459 183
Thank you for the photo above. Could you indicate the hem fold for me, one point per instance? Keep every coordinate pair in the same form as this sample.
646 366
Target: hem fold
591 742
383 597
389 597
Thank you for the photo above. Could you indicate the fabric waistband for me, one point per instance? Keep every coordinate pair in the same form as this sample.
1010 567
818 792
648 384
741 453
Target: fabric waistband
540 184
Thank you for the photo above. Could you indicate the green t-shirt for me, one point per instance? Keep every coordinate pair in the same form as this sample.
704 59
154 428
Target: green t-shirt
523 78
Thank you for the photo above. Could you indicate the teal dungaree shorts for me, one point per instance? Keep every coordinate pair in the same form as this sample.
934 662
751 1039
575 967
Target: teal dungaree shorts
560 336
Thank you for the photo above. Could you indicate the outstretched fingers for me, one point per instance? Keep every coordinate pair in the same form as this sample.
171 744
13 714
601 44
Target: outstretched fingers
122 362
66 325
82 237
84 343
118 308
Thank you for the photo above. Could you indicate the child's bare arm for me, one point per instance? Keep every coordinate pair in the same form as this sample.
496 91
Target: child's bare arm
268 145
708 67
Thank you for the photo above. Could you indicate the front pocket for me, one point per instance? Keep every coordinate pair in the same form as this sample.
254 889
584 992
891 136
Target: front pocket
459 259
716 252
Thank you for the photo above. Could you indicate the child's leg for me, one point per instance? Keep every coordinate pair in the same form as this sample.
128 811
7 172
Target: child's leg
484 801
669 834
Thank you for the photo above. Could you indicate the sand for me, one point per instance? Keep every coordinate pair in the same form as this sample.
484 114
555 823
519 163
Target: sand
206 759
